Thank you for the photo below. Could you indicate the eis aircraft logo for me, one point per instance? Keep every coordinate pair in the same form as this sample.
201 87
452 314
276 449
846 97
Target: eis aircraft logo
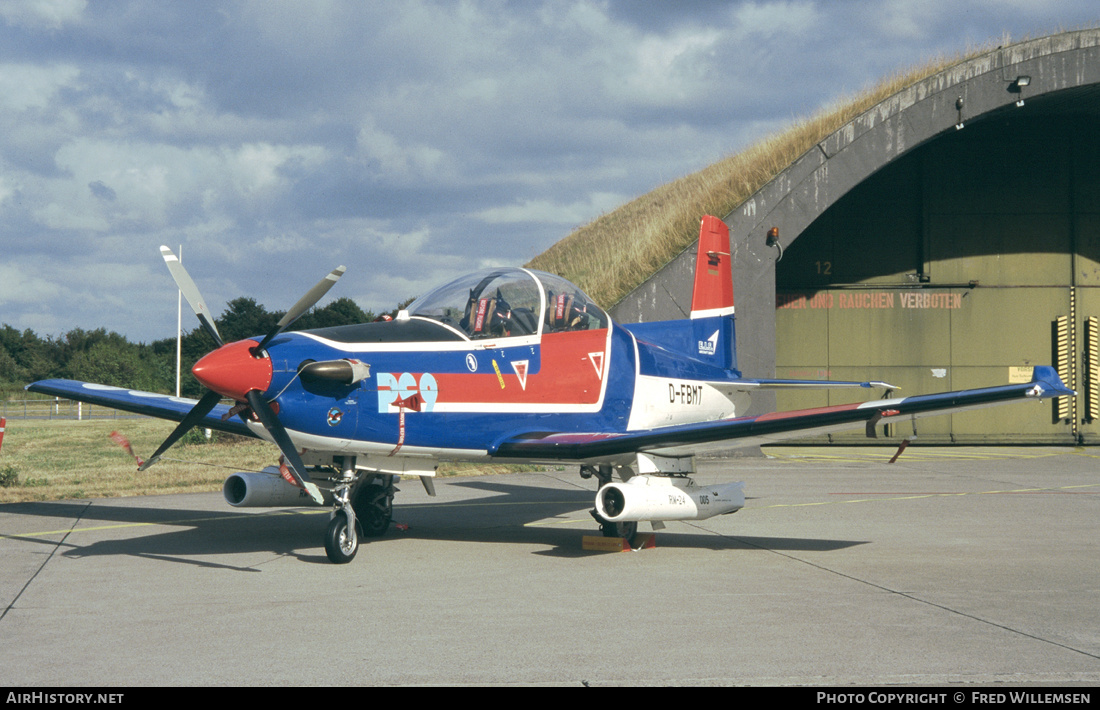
710 345
393 389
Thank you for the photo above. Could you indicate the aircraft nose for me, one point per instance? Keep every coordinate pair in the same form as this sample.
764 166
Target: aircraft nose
233 371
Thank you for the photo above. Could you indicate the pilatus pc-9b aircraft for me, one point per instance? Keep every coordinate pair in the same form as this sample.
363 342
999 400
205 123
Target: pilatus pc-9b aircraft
505 365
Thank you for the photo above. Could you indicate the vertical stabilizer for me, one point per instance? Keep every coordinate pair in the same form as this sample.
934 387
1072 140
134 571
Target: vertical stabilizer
713 291
708 336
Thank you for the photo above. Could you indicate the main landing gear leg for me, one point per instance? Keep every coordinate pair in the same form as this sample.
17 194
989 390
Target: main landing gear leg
601 472
626 530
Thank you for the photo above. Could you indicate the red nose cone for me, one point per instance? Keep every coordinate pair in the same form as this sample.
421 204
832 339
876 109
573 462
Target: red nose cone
231 370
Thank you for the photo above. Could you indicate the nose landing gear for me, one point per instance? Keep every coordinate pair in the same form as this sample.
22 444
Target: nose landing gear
363 509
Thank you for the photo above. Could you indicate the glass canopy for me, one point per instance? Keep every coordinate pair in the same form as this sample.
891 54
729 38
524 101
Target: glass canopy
510 302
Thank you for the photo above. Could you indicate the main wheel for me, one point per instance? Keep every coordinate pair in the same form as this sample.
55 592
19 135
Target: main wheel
625 530
373 504
341 542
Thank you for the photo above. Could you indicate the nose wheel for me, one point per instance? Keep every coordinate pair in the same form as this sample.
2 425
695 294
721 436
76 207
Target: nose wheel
342 538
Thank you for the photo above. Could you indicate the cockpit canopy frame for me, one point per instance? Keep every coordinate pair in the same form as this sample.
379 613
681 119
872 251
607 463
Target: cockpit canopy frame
509 302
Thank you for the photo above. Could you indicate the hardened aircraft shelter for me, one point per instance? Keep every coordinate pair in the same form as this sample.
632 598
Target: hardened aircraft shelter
947 238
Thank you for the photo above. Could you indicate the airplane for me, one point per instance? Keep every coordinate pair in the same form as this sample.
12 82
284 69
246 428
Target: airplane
505 365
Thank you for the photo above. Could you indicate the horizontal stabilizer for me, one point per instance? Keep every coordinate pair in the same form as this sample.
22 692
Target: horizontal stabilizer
747 385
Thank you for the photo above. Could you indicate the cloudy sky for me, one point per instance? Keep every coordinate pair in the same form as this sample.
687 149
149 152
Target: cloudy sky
410 140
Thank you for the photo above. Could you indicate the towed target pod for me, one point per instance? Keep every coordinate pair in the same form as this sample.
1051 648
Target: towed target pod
667 498
266 489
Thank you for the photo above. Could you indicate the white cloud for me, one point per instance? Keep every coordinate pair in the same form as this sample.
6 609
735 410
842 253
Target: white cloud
6 190
574 214
255 168
901 20
42 14
24 86
286 243
21 285
109 184
395 159
672 69
753 21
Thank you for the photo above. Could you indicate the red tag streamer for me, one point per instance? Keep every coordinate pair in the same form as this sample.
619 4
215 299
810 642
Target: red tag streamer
125 443
411 402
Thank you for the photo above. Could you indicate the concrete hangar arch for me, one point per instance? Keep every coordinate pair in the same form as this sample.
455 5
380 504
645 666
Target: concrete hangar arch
947 238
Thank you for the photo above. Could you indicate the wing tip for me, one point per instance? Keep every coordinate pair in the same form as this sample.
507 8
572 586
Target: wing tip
1048 376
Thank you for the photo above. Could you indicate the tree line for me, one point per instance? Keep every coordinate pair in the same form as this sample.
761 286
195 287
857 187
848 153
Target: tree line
109 358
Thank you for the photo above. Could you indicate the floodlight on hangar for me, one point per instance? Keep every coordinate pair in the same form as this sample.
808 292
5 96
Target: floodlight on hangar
1017 87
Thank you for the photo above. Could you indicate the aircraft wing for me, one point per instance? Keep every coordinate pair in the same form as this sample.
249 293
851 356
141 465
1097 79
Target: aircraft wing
161 406
687 439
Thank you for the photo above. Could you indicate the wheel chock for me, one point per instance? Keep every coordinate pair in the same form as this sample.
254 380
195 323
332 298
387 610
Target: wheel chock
599 543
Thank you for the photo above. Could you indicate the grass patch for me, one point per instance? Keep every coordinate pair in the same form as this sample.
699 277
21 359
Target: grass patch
63 459
448 468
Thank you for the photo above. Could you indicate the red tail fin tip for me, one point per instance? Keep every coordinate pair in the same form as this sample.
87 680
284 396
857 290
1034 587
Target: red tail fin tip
713 291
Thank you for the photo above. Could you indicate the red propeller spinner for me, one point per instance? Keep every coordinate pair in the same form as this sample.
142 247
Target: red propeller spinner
233 371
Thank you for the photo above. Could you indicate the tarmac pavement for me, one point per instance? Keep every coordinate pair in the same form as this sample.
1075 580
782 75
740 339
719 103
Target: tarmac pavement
953 565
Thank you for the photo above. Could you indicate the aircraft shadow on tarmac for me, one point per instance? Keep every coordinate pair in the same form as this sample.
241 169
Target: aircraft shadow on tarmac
555 520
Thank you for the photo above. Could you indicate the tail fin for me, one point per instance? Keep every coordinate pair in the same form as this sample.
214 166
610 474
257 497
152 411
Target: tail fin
713 292
712 296
708 336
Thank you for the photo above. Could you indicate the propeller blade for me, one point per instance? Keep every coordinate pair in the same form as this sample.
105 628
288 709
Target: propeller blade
190 292
200 410
304 304
286 446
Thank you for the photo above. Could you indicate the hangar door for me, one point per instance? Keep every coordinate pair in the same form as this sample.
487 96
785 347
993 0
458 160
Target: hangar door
963 264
